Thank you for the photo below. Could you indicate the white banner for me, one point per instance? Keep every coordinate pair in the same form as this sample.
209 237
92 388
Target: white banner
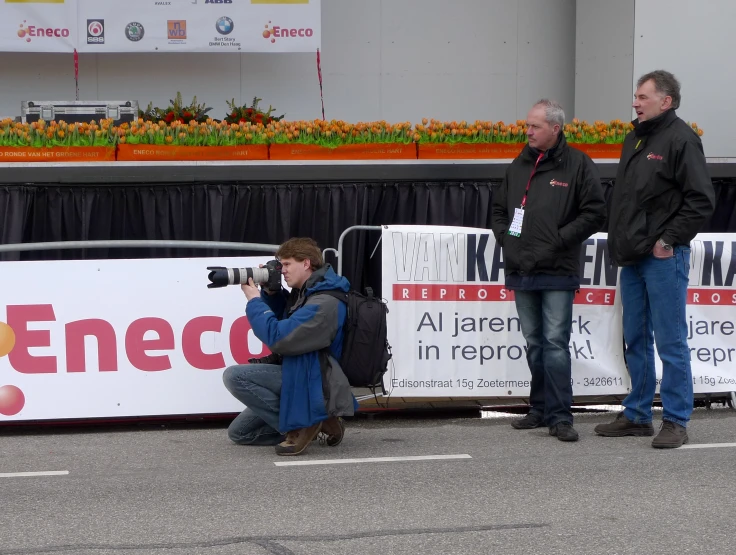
711 313
453 325
118 338
454 329
160 25
49 26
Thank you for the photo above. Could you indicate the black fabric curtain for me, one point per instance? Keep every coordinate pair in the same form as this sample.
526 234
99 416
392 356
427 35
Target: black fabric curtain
255 213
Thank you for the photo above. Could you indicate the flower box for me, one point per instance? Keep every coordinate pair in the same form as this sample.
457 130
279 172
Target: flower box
465 151
376 151
600 150
57 154
159 153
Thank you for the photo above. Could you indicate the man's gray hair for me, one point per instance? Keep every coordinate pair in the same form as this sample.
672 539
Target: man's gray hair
664 83
553 112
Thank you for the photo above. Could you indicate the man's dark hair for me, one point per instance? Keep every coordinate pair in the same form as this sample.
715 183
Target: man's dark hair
664 83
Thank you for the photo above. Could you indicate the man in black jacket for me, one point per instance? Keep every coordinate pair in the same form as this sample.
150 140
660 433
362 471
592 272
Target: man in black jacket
662 196
550 201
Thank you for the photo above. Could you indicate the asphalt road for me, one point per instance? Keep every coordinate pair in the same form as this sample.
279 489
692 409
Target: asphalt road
188 490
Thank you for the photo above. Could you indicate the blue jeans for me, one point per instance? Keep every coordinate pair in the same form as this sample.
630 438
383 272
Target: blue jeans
654 296
258 387
546 322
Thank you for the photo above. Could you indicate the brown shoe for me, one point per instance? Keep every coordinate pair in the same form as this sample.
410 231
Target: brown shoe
622 426
295 444
670 436
333 430
290 438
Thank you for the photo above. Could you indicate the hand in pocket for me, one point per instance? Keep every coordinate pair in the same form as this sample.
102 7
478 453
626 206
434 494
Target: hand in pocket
660 252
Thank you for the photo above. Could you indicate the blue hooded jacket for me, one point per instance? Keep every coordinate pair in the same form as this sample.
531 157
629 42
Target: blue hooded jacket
301 333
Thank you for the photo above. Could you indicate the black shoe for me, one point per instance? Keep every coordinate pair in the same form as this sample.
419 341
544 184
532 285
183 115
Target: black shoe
670 436
564 431
529 422
622 426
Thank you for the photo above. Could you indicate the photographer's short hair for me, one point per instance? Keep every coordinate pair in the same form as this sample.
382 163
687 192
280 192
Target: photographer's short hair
302 248
664 83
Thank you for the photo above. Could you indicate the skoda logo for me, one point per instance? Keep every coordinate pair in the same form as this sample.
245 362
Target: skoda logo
134 31
224 25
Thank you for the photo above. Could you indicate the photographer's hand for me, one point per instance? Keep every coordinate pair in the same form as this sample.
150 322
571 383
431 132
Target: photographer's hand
250 290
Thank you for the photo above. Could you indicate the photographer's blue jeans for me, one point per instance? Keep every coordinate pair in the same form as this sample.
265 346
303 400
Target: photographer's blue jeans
546 322
258 387
654 297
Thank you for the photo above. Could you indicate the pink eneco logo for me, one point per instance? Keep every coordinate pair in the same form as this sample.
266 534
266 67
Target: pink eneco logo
12 399
282 32
556 183
31 31
652 156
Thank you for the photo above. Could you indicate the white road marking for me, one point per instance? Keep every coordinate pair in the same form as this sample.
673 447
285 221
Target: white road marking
29 474
372 460
707 445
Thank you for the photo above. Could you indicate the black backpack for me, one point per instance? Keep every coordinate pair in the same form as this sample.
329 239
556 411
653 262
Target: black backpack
365 347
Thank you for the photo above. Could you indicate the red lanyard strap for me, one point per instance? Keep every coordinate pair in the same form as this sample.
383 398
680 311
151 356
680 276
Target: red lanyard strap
526 192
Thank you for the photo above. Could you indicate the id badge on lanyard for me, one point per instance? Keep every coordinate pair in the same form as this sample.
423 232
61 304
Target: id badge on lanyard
518 221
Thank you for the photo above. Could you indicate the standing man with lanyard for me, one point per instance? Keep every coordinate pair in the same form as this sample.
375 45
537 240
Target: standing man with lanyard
549 203
662 197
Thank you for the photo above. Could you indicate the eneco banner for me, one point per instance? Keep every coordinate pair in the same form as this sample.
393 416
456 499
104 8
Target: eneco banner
160 25
119 338
28 26
454 330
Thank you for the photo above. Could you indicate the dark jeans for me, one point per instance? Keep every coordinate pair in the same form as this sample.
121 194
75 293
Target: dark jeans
258 387
654 296
546 322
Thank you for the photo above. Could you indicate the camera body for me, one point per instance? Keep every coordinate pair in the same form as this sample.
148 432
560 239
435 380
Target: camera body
268 277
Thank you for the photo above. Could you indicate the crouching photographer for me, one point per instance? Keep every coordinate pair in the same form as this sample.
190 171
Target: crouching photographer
299 391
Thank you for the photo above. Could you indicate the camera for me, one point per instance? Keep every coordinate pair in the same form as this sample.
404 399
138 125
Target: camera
269 277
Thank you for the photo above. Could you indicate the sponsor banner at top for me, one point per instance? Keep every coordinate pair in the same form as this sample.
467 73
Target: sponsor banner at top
160 26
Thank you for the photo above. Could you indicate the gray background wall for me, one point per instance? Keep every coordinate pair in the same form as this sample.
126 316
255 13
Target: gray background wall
604 59
402 60
381 59
695 41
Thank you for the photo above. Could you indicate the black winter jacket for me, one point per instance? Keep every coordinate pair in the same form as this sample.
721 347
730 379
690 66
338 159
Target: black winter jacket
662 190
564 207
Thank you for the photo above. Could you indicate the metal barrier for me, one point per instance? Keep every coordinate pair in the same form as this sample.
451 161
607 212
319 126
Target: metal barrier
260 247
341 240
166 244
163 244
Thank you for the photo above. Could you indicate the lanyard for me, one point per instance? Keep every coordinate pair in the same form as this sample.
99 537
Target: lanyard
523 201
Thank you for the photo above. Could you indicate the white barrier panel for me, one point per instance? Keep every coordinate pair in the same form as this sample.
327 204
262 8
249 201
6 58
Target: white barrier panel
454 330
453 325
118 338
160 26
711 312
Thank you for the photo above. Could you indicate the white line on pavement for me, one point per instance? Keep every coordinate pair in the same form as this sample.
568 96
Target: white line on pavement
28 474
707 445
373 460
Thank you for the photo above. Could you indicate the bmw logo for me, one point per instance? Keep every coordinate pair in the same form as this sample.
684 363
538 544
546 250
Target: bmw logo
224 25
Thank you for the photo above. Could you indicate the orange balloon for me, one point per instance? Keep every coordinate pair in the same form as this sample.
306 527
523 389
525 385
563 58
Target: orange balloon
7 339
